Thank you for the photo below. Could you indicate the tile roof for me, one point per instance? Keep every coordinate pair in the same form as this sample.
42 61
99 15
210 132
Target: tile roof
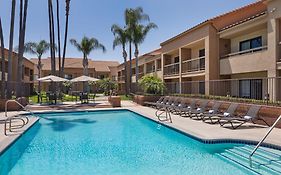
99 66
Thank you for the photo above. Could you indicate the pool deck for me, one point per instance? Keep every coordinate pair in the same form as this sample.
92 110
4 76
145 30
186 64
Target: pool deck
199 129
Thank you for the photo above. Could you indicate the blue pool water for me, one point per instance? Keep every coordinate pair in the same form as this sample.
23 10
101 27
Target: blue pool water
110 142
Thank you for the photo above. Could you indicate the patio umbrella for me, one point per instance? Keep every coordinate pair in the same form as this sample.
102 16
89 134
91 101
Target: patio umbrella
52 78
84 78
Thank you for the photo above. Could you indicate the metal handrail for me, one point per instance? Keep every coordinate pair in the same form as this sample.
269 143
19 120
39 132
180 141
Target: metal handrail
24 108
193 59
263 139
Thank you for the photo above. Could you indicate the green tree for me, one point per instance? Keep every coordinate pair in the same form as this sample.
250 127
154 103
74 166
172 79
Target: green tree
133 17
86 46
107 85
152 84
138 36
121 38
37 49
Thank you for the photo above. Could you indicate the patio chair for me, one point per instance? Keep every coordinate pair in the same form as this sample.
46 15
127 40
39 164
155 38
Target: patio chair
186 111
251 116
180 107
84 98
174 104
162 103
214 118
207 116
197 113
153 104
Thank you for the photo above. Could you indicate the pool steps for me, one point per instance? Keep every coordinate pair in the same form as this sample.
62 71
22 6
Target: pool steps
266 161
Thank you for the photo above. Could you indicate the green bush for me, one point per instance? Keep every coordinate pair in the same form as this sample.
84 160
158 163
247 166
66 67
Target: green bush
152 84
107 85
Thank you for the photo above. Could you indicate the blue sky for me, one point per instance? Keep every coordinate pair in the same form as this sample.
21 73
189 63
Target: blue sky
93 18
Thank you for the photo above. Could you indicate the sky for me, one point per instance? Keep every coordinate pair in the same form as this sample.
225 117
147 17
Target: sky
94 18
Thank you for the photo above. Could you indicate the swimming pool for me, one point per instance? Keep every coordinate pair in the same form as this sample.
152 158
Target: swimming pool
110 142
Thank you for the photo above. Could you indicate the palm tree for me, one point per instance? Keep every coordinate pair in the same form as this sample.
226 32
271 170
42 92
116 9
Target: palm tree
132 18
67 7
121 38
22 28
2 61
58 30
38 49
138 36
11 44
86 46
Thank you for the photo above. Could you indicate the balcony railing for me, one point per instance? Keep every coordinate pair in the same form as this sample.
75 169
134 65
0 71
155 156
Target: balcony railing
171 69
193 65
150 70
245 52
121 78
6 76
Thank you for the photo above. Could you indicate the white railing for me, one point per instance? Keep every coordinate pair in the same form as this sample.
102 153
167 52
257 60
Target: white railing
263 139
172 69
193 65
245 51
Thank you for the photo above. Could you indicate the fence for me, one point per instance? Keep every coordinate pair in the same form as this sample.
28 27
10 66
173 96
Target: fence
255 88
25 89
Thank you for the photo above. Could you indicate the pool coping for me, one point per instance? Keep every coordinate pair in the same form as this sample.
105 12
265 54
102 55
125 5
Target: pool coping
193 136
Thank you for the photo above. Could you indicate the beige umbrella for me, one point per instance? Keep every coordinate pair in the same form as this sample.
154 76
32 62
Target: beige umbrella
52 78
84 78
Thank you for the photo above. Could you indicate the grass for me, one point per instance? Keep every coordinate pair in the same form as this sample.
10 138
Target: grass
126 98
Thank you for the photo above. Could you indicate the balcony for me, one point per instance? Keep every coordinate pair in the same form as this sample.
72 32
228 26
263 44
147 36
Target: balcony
193 65
245 52
6 76
121 78
172 69
150 69
253 60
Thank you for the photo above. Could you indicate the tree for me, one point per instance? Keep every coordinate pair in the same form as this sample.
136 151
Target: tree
121 38
132 18
2 61
86 46
11 45
152 84
22 29
58 30
37 49
107 85
67 7
138 36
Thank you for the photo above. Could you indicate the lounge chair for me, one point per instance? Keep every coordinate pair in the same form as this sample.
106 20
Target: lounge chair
208 116
174 105
186 111
197 113
228 113
177 109
153 104
251 116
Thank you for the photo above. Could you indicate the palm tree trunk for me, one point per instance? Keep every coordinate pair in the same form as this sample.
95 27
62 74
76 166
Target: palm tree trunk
130 70
11 44
137 62
126 70
67 2
39 66
58 28
2 61
23 16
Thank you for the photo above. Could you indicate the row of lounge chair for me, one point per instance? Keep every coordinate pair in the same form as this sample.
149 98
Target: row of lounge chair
202 110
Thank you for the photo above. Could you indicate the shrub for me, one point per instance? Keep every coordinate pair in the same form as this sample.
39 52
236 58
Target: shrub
107 85
152 84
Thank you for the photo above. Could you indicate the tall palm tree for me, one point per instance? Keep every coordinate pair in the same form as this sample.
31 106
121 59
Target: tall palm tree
2 61
37 49
67 7
11 45
58 30
132 18
121 38
138 36
86 46
22 28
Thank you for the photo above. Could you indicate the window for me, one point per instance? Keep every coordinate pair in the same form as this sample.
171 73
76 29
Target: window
202 53
177 59
250 44
250 89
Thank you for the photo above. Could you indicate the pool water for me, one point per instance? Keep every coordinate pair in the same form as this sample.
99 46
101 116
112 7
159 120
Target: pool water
110 142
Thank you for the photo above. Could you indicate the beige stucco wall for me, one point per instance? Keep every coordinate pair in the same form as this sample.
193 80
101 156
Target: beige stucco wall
236 41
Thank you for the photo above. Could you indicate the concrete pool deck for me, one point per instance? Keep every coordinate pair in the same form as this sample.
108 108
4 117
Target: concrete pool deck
199 129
